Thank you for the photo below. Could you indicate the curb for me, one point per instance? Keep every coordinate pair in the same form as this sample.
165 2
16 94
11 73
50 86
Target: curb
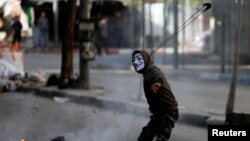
123 106
242 79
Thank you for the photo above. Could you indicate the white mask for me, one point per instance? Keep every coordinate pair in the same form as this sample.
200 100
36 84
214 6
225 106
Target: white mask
138 62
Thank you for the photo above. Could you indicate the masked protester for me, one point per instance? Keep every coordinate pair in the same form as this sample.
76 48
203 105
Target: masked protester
162 102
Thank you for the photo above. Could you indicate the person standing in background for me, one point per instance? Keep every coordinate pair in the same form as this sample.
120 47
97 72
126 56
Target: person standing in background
103 24
43 27
17 27
5 30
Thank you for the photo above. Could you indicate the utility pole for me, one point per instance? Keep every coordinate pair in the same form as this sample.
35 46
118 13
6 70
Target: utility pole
132 16
143 25
55 12
222 44
183 34
67 72
142 44
231 98
165 23
84 63
151 30
176 56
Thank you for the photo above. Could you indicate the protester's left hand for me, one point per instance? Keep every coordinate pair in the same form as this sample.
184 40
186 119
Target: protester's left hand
155 87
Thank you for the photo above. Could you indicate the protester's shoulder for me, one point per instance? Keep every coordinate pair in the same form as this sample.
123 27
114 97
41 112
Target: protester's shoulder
156 69
156 72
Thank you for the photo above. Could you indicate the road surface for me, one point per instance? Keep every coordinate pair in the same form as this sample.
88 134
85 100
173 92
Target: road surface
40 119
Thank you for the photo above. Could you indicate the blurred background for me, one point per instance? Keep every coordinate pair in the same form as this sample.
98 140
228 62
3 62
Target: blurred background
73 51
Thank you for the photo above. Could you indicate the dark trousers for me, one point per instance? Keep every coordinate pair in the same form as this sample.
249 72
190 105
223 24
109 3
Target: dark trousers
17 37
159 127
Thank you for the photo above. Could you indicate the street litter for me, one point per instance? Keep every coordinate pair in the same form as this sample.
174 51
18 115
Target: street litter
11 61
59 138
11 67
37 76
61 99
36 107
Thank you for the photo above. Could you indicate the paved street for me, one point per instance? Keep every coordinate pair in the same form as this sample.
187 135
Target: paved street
116 61
41 119
195 94
37 118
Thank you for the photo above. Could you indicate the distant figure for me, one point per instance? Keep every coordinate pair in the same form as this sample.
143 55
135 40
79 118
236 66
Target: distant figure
17 28
103 24
5 31
118 30
43 29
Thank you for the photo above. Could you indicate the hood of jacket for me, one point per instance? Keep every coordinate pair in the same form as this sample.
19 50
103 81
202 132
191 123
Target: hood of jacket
147 60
